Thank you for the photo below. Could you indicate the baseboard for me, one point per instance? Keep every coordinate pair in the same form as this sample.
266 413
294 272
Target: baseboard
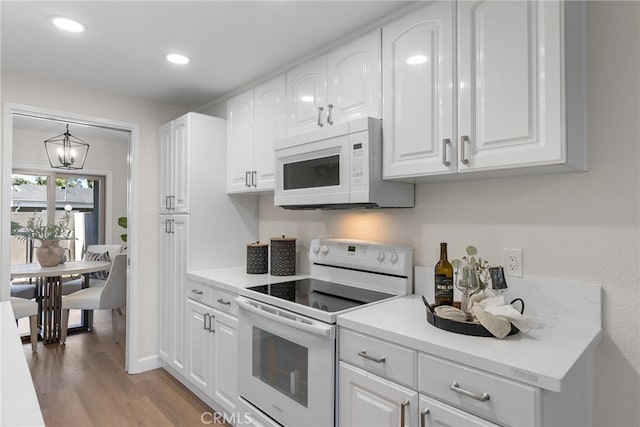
145 364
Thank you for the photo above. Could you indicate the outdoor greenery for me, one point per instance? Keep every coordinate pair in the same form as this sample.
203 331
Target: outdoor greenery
36 228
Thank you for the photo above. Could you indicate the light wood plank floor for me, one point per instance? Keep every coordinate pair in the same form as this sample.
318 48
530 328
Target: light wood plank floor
83 383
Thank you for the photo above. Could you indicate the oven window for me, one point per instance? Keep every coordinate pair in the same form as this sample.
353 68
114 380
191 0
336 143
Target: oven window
322 172
281 364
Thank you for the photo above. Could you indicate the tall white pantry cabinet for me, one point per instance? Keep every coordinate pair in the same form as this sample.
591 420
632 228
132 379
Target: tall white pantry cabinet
200 226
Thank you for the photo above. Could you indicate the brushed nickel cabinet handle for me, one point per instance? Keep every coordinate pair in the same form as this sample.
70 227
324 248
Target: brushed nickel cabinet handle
363 353
319 122
223 302
445 142
206 316
403 405
479 397
254 178
247 176
423 418
463 152
211 319
195 291
329 119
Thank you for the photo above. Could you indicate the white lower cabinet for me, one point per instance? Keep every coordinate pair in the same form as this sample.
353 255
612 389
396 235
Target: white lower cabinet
434 413
211 346
366 400
428 391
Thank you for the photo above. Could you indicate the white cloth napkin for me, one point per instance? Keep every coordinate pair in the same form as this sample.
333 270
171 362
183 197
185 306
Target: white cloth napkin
499 308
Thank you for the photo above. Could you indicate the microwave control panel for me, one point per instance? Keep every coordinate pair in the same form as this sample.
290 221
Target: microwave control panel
357 163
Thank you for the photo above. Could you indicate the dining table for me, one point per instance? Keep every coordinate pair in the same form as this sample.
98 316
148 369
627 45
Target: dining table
48 281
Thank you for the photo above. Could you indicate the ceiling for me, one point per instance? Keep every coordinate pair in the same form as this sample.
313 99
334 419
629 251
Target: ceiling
231 43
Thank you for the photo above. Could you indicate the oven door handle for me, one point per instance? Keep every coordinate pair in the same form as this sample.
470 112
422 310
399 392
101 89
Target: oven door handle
314 327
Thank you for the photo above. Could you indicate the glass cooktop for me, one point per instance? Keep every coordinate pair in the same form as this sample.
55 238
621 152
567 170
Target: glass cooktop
321 295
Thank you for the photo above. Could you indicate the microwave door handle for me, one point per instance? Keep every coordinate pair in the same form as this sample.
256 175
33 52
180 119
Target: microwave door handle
316 328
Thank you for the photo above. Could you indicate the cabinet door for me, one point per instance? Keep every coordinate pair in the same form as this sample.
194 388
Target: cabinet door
353 80
167 170
306 96
418 103
269 124
174 253
510 86
199 345
181 147
239 142
166 301
435 414
366 400
226 360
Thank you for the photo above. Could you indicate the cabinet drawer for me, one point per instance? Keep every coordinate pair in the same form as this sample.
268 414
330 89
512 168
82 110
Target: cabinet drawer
388 360
224 301
199 292
483 394
434 413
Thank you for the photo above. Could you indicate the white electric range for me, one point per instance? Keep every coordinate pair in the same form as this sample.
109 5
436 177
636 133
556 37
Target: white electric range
286 336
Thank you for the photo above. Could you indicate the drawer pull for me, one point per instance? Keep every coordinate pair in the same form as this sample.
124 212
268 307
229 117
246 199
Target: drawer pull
480 397
195 291
423 418
403 405
363 353
223 302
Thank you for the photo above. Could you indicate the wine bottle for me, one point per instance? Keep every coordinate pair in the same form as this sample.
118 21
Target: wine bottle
443 278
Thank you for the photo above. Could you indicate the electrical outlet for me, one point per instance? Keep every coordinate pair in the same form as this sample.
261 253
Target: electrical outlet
512 259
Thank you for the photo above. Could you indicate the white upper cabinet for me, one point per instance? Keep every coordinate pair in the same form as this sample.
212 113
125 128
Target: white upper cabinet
511 84
334 88
518 78
175 143
418 105
269 125
306 96
239 142
255 119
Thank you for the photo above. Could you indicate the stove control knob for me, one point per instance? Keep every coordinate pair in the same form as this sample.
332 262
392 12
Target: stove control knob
324 249
315 249
380 256
394 257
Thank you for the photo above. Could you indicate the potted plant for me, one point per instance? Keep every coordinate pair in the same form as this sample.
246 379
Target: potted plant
49 253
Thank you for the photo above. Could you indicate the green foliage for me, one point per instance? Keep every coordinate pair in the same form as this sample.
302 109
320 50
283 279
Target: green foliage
122 222
37 229
481 265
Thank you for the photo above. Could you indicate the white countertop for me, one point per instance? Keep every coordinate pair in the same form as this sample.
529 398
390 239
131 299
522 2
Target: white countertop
18 400
542 357
234 279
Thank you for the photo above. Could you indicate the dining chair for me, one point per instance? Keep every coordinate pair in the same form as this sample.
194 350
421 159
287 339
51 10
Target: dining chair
71 286
112 296
25 308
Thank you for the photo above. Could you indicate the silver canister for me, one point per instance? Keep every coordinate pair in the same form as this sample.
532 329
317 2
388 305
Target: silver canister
257 258
283 256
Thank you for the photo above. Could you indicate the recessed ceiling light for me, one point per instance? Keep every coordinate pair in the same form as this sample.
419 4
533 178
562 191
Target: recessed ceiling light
176 58
68 24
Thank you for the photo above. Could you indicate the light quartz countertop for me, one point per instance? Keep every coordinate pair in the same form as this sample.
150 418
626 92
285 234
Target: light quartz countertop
235 279
565 324
18 400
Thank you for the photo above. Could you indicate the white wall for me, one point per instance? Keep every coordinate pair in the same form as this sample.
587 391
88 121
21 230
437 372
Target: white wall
581 227
64 97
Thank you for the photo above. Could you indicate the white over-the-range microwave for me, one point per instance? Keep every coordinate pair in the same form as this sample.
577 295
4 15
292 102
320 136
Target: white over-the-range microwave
336 168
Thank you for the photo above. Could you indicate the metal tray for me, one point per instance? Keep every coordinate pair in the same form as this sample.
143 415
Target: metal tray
466 328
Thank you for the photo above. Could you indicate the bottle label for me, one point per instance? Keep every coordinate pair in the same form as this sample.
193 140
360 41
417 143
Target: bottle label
443 288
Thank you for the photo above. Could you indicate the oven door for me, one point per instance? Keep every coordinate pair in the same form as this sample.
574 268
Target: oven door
286 364
313 173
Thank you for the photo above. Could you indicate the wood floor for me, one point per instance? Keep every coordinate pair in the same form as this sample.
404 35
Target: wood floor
83 383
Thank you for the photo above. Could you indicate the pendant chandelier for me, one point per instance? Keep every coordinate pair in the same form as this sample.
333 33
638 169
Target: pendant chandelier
66 151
